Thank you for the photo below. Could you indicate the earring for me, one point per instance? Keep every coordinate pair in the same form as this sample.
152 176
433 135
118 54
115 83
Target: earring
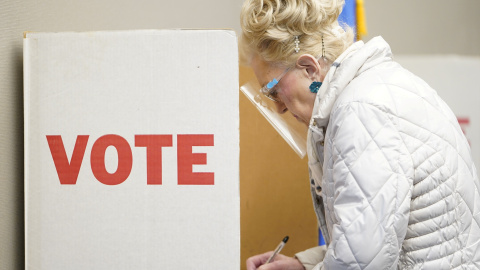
315 86
297 48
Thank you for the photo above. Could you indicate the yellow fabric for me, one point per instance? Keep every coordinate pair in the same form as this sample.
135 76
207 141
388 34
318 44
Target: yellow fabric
361 22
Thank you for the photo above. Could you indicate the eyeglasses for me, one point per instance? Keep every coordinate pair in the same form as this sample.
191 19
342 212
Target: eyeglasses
269 89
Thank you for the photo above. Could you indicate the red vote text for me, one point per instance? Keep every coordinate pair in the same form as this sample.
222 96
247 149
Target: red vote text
68 170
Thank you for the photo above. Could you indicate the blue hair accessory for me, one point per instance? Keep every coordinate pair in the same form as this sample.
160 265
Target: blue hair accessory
315 86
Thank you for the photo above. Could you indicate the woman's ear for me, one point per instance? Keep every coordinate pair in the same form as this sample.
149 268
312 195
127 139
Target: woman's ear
311 66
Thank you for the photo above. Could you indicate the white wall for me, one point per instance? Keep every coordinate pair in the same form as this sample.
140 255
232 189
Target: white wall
411 27
427 26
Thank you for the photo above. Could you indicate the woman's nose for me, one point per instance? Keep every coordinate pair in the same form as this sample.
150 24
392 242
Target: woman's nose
281 108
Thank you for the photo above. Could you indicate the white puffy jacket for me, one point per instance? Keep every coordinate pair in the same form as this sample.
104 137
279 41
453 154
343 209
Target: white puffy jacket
393 182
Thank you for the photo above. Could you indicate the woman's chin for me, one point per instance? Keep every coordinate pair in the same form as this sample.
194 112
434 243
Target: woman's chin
300 119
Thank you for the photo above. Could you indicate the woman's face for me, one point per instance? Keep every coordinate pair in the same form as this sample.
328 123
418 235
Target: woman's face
292 90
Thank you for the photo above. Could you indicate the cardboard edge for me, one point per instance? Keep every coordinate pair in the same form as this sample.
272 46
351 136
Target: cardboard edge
25 33
227 30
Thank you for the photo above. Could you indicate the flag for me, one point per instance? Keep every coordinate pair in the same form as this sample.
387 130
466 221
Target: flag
353 15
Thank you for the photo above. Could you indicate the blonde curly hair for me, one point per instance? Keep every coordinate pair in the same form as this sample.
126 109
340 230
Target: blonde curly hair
269 28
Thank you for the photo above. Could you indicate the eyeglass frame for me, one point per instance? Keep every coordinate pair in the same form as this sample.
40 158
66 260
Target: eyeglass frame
268 89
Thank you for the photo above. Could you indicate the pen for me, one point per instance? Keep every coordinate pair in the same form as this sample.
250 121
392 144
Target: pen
277 250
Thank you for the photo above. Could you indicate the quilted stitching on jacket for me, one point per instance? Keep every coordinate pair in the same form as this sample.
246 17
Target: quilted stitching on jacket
399 186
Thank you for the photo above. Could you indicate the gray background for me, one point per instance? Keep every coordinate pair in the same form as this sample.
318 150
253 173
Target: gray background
410 26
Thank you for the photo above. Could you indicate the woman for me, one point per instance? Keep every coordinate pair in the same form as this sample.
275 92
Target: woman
392 178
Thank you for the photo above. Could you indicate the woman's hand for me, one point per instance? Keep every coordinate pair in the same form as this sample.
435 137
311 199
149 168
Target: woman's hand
280 262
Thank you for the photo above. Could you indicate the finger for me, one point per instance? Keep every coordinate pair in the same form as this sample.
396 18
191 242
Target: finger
270 266
274 265
255 261
283 263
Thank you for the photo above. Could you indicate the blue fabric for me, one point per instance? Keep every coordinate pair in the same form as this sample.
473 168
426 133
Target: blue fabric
321 241
349 15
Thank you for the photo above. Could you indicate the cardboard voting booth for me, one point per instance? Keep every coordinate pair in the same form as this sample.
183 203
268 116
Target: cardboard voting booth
132 150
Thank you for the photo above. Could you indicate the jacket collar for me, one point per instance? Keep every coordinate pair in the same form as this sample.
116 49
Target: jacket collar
353 61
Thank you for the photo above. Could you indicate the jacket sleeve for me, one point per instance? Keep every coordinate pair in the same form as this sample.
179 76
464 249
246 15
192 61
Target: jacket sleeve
366 188
311 257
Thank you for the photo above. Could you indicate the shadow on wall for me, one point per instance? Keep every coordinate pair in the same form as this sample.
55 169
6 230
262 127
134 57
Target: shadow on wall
18 161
